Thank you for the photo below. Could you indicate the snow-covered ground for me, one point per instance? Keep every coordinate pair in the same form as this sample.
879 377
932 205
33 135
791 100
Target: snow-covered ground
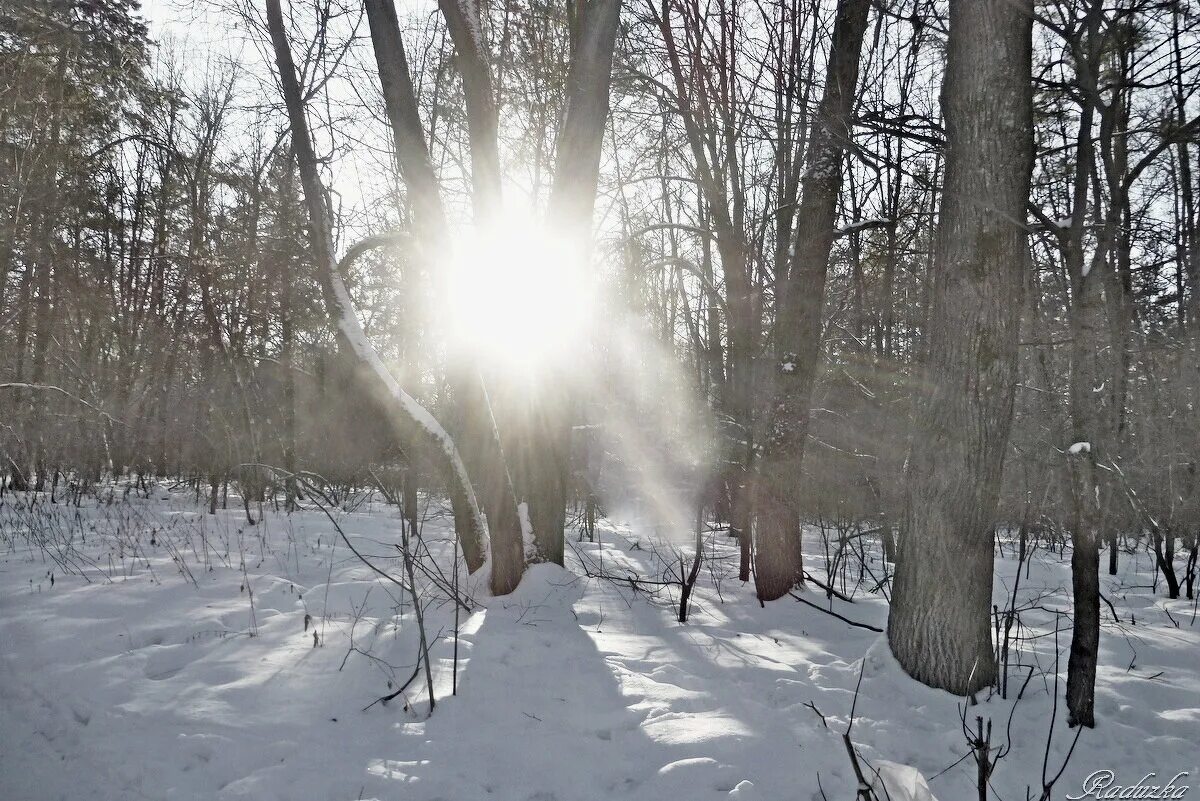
136 675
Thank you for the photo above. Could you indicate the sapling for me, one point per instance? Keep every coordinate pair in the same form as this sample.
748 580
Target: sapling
688 582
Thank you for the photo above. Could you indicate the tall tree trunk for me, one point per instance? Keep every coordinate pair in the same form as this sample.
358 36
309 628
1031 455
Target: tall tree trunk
1086 424
287 361
778 565
1085 588
572 201
43 235
939 626
470 56
722 209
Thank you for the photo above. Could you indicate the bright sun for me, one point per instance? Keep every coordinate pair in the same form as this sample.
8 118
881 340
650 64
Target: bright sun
518 293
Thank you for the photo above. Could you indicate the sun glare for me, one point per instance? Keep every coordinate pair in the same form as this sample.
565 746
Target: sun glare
519 293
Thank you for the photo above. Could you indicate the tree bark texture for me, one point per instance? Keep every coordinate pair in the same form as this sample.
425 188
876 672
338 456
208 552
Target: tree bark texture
939 627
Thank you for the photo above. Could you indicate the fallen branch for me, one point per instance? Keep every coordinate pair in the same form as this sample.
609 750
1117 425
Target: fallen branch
856 624
809 577
1116 617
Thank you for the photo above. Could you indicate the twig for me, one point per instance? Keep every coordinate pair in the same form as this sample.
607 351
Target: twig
63 392
813 707
412 588
864 787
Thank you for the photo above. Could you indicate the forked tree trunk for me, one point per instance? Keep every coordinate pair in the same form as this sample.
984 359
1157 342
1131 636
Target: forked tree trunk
1164 559
1192 543
939 626
477 435
482 422
778 565
407 416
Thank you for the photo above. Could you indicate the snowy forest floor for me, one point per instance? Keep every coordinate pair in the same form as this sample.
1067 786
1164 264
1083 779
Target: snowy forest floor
148 670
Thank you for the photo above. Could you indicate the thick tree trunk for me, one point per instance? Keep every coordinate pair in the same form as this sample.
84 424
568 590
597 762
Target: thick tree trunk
483 424
939 626
777 562
495 452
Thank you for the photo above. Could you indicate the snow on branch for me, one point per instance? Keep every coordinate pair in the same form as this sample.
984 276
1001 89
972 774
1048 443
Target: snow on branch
861 225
